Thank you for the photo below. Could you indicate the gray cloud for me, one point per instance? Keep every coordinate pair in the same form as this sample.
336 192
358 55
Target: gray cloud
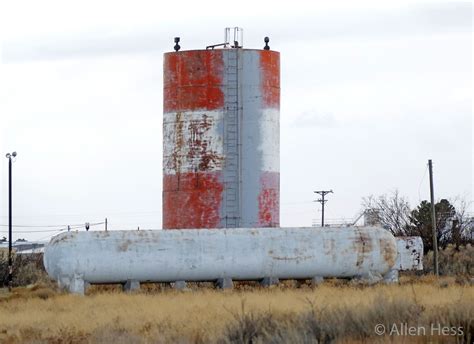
87 45
429 19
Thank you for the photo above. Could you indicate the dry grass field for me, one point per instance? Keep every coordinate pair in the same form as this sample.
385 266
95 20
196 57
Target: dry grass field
335 311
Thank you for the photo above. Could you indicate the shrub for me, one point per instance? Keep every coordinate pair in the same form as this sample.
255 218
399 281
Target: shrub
27 269
452 260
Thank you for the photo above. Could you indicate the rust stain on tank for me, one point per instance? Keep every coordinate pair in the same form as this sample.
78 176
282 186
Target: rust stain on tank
124 246
104 234
269 200
287 258
199 146
196 203
387 251
362 245
192 145
330 248
192 80
57 240
178 147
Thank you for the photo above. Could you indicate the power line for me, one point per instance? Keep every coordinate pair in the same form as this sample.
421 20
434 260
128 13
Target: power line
48 236
49 226
35 226
91 214
421 182
43 231
296 203
57 230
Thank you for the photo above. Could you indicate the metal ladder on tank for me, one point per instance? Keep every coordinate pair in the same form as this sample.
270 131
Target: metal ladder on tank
232 174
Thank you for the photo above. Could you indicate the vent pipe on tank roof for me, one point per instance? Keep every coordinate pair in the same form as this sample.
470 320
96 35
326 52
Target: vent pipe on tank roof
237 36
266 40
176 46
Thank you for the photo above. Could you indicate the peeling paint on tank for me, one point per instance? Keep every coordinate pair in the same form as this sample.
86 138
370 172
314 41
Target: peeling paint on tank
410 253
206 255
57 239
295 258
215 101
192 142
329 245
124 246
192 80
260 146
178 136
387 251
270 67
196 203
363 245
268 200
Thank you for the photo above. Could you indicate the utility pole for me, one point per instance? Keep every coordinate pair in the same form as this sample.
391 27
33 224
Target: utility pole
323 193
433 220
10 234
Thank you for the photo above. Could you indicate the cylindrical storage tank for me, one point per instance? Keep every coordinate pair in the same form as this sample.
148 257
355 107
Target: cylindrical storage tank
207 255
221 135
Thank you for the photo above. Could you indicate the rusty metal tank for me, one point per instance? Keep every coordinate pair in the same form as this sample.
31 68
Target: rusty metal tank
221 135
76 258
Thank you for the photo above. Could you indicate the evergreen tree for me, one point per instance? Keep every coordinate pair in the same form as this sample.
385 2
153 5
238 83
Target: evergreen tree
421 224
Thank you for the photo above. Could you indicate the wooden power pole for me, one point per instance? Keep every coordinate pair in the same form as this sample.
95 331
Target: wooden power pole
323 193
433 220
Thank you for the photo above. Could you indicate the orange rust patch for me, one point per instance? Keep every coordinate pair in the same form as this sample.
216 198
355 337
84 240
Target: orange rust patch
192 80
196 202
269 200
270 78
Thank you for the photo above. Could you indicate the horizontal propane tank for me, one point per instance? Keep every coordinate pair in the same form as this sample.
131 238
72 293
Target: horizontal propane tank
209 255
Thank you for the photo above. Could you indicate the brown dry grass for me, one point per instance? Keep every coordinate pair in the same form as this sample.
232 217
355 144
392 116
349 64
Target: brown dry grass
335 310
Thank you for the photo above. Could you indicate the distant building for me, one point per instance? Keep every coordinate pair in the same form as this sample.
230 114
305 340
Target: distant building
372 217
24 247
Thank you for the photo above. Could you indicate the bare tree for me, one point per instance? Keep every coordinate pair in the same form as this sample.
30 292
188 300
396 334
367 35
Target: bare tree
461 221
391 210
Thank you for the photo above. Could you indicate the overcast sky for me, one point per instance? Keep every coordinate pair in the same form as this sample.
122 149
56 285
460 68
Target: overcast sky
370 90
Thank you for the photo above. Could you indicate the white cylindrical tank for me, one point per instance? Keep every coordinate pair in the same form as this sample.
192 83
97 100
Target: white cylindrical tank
207 255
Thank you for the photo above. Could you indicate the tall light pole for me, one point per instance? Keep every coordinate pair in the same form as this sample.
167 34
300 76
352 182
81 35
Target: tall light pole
323 193
10 261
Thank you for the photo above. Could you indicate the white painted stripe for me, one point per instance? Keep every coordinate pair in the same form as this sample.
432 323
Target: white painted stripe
269 144
192 139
